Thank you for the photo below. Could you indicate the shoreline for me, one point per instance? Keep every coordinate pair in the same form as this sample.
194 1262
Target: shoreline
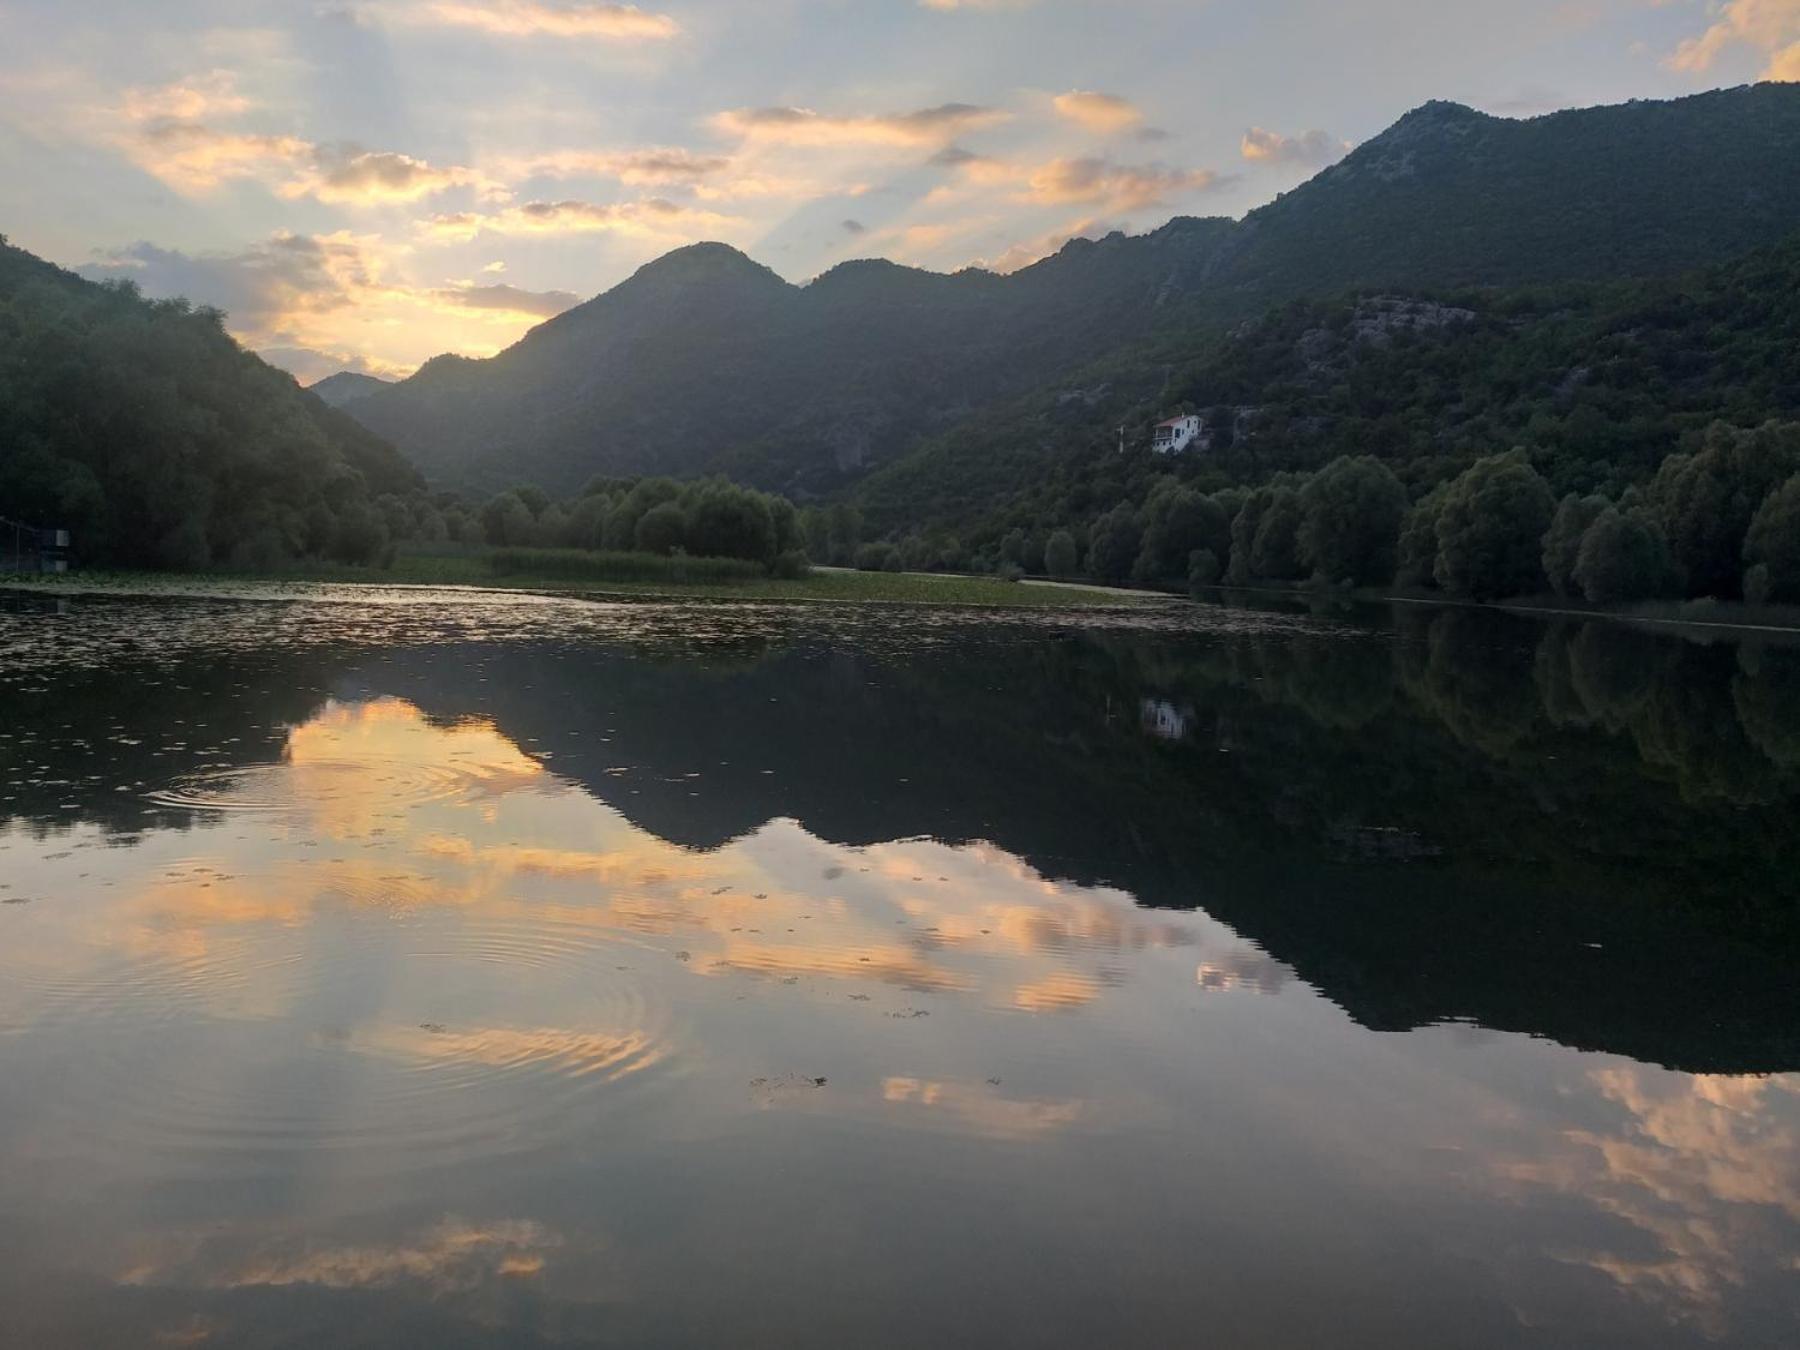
854 588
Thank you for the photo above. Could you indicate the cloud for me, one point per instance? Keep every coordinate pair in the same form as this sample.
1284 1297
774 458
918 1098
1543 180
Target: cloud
352 175
636 168
1768 26
651 216
164 136
510 299
1311 149
1105 114
803 126
523 18
1116 187
213 94
309 365
286 274
317 304
948 6
1039 247
855 227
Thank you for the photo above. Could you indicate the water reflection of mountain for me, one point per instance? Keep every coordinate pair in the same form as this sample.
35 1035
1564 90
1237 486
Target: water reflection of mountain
1575 830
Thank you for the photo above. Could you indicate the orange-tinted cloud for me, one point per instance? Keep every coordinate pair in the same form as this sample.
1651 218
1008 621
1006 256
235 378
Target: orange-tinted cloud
635 168
652 217
803 126
1768 26
1310 149
526 18
1093 181
1106 114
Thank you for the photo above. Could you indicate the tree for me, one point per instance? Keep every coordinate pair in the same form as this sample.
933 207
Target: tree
1415 562
507 522
1352 509
844 533
1203 570
1562 543
725 521
1177 522
1275 550
1490 529
1060 559
662 529
815 526
1705 501
1012 547
1773 543
879 556
1118 535
1624 557
361 537
534 498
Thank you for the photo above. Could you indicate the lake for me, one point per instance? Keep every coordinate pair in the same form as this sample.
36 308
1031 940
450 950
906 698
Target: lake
390 969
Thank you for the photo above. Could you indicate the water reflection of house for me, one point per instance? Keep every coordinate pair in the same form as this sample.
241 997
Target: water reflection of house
1163 719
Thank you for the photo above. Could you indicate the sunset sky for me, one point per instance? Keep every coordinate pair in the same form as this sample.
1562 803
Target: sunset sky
365 185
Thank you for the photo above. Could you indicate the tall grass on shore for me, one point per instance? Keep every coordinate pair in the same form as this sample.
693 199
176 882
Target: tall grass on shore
581 565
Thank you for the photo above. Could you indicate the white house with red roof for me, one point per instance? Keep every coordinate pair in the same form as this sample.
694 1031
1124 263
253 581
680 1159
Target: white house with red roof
1176 435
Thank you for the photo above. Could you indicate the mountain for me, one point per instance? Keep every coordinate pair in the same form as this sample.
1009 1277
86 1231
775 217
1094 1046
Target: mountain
705 361
345 387
1601 382
159 442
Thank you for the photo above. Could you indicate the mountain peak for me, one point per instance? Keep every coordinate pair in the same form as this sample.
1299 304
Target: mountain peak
706 263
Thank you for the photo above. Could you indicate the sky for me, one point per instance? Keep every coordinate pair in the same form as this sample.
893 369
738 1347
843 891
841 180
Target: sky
364 185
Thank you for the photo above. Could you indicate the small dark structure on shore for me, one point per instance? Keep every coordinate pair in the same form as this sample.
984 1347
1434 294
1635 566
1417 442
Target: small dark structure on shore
31 549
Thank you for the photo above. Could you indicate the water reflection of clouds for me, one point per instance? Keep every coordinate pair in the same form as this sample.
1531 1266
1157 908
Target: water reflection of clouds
457 818
453 1256
1702 1172
438 864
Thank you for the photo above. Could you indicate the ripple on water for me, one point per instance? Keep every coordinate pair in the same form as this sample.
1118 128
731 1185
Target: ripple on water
318 786
480 1040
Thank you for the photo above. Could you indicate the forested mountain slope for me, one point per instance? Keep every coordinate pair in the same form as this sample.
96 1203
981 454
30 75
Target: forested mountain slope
706 361
1598 382
143 428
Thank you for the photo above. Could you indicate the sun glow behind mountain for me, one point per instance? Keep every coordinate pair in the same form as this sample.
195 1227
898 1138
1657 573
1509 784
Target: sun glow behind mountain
364 186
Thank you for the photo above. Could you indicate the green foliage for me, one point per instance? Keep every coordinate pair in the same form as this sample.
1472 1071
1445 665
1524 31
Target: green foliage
1623 557
1772 546
1705 501
1060 558
1275 548
1416 555
1562 542
1012 548
1177 522
879 556
1203 571
1350 521
583 565
1599 383
1490 529
662 529
157 441
1118 536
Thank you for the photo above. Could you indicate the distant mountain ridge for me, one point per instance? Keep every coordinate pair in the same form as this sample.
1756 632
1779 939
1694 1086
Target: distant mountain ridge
705 361
345 387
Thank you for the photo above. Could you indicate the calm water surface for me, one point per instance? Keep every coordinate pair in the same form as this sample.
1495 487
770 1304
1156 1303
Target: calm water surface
505 972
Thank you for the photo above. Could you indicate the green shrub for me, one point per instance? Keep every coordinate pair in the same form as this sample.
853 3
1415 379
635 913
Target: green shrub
582 565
